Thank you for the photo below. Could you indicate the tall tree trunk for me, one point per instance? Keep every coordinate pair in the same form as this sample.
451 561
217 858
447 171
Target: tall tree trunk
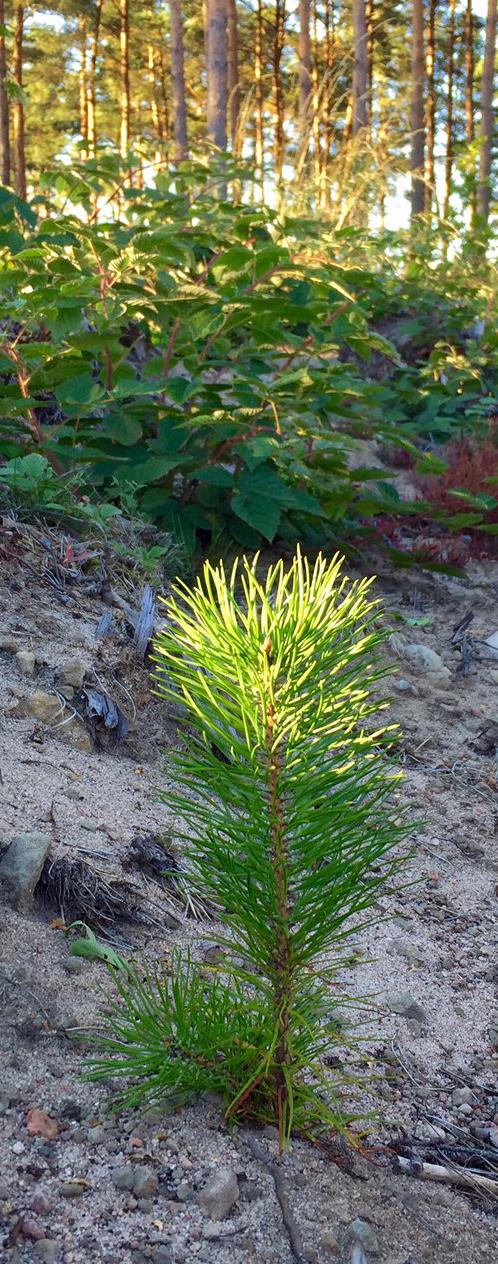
178 82
124 77
163 95
328 18
487 92
430 62
4 105
369 16
360 67
448 166
18 107
304 69
233 72
259 136
317 105
278 46
92 82
217 72
417 110
83 84
469 73
155 106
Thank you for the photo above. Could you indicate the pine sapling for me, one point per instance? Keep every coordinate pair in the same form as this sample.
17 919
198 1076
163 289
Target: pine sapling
283 783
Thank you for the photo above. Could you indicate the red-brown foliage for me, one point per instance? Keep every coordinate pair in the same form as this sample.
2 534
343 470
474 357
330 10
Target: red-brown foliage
470 466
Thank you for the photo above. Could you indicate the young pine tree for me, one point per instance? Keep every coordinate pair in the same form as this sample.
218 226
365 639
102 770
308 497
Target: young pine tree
282 782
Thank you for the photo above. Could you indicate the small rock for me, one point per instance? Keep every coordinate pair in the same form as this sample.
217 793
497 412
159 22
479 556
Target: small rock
44 707
328 1242
47 1250
183 1191
403 1003
162 1255
77 735
123 1178
21 866
145 1183
414 1029
426 661
219 1194
26 660
32 1229
361 1231
9 644
492 1030
405 686
71 1189
41 1203
4 1192
462 1096
75 965
72 672
18 1147
465 1109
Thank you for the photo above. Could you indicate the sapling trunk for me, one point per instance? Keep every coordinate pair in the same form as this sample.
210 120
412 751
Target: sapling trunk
281 783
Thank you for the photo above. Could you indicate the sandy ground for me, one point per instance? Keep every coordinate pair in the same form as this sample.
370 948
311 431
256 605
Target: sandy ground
435 1064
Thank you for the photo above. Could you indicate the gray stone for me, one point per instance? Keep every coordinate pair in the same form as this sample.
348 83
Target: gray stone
123 1177
21 866
26 660
426 661
219 1194
404 686
72 672
71 1189
162 1255
462 1096
4 1192
360 1231
46 1249
145 1183
75 965
405 1004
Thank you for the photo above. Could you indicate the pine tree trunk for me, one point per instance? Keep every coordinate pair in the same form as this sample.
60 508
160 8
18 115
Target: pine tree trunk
417 110
360 67
178 82
233 72
317 104
430 62
304 70
469 74
278 46
18 106
487 92
92 88
163 95
155 109
448 166
4 106
217 73
83 85
370 62
124 76
328 18
259 140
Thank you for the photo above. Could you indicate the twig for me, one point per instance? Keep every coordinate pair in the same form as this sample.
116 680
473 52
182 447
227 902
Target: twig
292 1230
449 1175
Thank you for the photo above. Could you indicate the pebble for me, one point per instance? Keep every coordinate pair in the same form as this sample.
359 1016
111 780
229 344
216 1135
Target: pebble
71 1189
4 1191
145 1183
219 1194
328 1242
123 1177
462 1096
32 1229
72 672
21 866
26 660
40 1203
46 1249
45 707
18 1147
405 686
162 1255
426 661
406 1005
361 1231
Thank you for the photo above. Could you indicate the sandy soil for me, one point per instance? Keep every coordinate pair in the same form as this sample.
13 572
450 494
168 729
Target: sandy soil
436 1064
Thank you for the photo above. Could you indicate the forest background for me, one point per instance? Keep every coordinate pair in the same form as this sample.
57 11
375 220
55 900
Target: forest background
236 237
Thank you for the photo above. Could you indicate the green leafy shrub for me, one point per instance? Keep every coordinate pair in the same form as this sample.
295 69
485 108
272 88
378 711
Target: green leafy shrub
282 784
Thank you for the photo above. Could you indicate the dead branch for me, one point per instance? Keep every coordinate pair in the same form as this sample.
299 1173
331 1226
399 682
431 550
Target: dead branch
449 1175
291 1228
